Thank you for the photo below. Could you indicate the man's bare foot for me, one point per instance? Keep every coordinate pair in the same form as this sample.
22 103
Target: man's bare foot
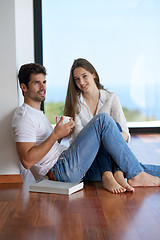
144 180
121 180
111 184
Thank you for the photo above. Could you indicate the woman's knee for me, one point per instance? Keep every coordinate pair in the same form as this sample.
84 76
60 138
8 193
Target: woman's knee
103 115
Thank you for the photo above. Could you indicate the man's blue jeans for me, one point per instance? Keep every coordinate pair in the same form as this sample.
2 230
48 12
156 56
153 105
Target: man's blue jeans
79 160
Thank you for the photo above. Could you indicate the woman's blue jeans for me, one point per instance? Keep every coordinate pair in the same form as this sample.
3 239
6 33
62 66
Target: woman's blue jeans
103 161
79 162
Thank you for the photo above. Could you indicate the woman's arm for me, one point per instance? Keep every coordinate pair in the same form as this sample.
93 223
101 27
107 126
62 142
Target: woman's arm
78 127
118 115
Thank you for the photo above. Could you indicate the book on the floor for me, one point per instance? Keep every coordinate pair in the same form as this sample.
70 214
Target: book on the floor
48 186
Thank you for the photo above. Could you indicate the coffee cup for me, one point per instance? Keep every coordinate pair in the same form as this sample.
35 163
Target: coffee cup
66 119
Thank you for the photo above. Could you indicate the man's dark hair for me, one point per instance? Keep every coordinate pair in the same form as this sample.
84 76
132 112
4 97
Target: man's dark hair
27 69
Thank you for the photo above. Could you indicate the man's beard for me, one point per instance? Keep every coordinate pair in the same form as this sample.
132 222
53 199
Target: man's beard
38 99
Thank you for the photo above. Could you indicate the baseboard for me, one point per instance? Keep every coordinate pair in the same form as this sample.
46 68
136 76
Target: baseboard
13 178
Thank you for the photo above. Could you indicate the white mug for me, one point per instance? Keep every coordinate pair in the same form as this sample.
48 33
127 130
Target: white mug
66 119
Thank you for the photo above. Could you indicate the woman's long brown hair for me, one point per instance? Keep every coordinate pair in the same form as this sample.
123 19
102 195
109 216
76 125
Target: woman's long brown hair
71 107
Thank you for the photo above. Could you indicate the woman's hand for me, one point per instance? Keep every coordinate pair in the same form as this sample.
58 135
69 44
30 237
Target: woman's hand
125 136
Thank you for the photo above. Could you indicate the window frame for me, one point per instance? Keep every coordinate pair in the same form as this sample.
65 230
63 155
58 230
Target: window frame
38 43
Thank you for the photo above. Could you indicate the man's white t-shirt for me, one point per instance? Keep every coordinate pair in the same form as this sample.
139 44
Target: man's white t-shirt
31 125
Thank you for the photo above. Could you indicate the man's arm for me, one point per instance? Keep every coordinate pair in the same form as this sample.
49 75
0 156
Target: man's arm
30 154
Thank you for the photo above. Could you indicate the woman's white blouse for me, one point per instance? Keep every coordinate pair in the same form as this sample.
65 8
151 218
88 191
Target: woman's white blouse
108 103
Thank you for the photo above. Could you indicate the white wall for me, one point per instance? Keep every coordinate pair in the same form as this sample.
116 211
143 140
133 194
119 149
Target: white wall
16 48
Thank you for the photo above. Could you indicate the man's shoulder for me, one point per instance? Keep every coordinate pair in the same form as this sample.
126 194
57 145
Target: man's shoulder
24 116
20 110
20 113
25 111
26 122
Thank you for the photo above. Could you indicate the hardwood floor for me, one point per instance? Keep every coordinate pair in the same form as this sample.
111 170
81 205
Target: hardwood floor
90 214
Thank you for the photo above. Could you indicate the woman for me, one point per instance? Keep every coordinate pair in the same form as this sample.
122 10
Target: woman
85 98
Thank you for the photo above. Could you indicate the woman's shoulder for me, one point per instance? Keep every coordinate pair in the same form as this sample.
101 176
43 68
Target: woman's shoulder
107 95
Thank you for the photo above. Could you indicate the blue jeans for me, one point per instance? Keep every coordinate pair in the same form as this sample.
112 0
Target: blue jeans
104 162
79 159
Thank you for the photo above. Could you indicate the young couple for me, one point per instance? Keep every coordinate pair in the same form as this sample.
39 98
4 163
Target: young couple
98 149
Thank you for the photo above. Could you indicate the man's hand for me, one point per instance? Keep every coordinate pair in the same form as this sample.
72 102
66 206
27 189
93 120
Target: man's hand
63 130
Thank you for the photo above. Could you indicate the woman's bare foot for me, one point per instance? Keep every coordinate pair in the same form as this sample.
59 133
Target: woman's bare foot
144 180
121 180
111 184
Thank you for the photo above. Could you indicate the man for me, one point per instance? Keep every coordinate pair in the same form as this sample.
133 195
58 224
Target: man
39 151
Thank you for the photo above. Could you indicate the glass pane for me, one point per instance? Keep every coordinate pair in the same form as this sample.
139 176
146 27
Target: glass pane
119 37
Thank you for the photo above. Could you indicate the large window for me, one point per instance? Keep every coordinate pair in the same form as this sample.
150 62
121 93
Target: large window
119 37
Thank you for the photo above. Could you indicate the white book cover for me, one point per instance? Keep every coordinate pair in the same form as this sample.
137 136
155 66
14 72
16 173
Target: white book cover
49 186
